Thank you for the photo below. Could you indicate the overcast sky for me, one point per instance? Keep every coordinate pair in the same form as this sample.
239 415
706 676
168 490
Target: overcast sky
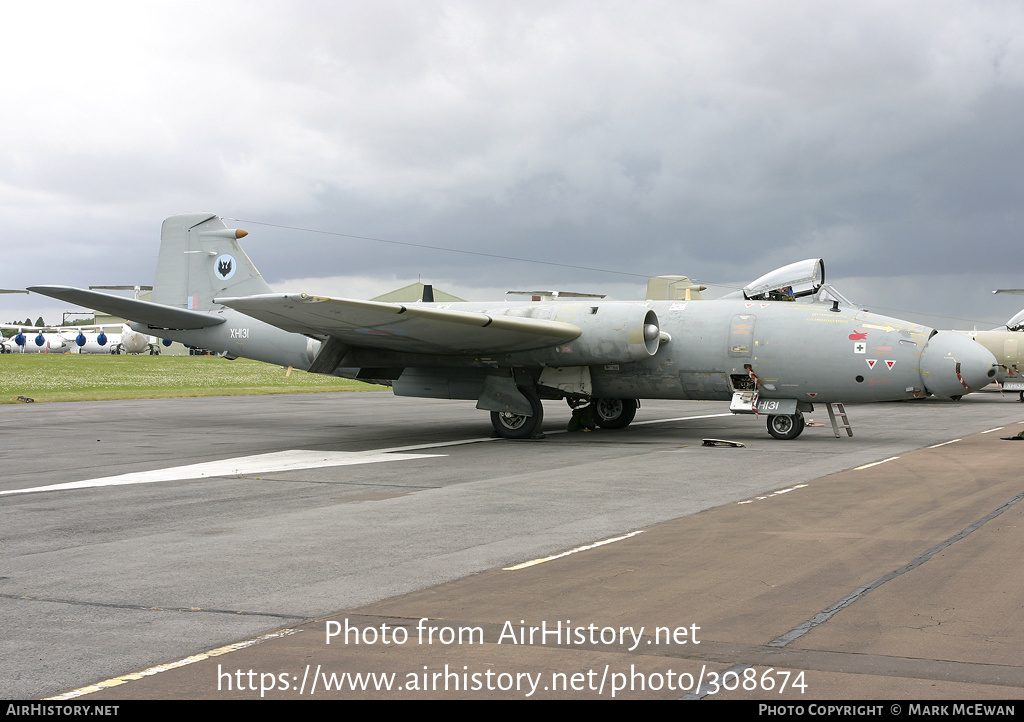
713 139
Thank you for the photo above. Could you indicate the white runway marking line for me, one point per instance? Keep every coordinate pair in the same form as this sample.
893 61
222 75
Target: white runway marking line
646 423
774 493
534 562
998 428
282 461
935 446
100 686
260 464
875 463
680 418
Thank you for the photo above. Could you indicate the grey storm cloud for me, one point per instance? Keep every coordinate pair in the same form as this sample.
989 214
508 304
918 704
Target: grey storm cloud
715 139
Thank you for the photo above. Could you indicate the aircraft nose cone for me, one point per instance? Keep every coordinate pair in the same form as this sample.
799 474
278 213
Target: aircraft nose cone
953 364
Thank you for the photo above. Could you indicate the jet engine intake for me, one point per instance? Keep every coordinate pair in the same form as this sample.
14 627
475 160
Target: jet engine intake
616 333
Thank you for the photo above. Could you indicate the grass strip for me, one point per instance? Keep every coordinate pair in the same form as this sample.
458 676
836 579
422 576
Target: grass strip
76 377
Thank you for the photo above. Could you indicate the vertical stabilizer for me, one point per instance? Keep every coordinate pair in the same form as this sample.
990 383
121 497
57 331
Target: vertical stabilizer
200 259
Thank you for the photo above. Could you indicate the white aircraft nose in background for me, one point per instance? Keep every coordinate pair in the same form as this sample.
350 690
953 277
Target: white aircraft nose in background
954 365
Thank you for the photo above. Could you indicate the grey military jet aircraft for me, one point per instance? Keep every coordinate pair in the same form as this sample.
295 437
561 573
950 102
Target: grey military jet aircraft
768 349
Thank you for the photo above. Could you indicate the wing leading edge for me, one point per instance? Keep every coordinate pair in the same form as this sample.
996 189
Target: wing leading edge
399 327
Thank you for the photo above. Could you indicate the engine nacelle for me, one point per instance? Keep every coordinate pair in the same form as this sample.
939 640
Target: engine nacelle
612 333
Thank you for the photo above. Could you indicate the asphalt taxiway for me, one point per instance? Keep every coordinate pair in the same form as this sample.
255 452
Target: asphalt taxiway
157 546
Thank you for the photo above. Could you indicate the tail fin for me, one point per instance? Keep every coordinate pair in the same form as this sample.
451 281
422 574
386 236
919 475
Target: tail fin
200 259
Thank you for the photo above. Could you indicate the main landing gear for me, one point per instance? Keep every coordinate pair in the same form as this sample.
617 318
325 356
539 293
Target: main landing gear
510 425
607 413
614 413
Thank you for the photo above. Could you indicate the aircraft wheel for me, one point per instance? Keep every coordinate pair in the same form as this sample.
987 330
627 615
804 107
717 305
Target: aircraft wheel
956 398
509 425
786 427
614 413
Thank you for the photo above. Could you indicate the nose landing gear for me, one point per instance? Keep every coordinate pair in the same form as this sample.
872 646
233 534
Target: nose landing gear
786 426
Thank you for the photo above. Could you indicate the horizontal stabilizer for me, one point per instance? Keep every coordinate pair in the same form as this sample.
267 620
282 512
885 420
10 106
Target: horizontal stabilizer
63 329
154 315
400 327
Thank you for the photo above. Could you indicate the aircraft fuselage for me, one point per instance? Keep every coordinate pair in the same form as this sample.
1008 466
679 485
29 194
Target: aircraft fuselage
776 356
707 350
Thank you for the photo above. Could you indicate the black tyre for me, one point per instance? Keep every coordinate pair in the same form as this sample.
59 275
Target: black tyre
614 413
509 425
783 426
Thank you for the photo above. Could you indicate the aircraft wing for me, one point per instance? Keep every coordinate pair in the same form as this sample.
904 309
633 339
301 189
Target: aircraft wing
92 327
23 327
400 327
155 315
61 329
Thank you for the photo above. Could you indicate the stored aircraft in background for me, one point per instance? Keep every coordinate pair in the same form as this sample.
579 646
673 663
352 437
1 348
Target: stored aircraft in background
127 340
86 339
1006 343
6 345
34 339
62 339
83 338
130 340
783 344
